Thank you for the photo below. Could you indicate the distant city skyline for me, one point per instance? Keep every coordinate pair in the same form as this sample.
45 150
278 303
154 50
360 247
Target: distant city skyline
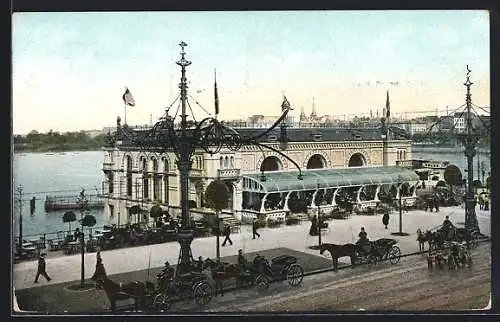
71 69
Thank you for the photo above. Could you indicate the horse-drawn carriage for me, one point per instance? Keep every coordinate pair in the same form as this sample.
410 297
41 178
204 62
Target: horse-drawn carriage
380 250
282 267
370 253
438 236
259 272
160 296
192 284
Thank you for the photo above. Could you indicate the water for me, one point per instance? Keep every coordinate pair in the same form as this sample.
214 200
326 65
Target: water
42 174
457 158
67 172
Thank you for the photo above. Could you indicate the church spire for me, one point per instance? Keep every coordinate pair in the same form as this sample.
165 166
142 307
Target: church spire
313 113
388 106
302 116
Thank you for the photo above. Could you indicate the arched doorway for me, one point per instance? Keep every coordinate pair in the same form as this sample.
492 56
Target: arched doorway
271 163
316 161
356 160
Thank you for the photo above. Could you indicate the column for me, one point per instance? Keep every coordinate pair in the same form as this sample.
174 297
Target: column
262 208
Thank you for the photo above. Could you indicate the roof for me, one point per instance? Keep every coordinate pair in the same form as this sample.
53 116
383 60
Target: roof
284 181
308 134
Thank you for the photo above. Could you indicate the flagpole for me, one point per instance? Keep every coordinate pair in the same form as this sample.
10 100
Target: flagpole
125 108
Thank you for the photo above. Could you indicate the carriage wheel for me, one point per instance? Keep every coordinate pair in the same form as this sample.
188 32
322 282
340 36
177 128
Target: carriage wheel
262 282
394 255
202 293
295 275
162 302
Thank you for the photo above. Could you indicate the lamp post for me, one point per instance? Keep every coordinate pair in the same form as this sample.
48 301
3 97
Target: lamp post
20 191
184 139
469 141
400 205
319 214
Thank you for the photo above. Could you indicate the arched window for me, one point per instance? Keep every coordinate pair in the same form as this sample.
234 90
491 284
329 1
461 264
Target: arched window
165 180
221 163
145 178
226 162
231 162
156 180
110 181
129 176
316 161
271 163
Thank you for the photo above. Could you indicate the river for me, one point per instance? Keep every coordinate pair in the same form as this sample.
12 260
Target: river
65 173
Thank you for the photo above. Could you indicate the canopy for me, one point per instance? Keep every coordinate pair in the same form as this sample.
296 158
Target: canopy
285 181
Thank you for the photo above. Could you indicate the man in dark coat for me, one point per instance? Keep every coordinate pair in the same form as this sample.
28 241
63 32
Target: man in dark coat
41 268
385 219
313 231
227 233
255 225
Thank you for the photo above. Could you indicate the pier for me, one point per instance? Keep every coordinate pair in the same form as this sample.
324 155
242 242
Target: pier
53 203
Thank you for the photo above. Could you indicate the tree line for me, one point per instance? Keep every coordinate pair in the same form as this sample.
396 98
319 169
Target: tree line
55 141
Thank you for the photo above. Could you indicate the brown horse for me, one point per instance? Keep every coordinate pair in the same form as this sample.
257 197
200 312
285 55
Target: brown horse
337 251
423 238
221 271
119 291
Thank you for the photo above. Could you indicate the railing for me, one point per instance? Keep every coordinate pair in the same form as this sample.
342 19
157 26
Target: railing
228 173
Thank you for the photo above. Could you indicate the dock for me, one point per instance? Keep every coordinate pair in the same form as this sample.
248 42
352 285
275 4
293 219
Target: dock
54 203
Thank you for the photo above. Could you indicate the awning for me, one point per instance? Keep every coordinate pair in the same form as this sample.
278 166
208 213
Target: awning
284 181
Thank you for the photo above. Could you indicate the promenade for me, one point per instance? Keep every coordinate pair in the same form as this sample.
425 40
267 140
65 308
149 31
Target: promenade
67 268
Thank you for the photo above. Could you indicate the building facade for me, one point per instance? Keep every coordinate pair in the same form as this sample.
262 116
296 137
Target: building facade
135 177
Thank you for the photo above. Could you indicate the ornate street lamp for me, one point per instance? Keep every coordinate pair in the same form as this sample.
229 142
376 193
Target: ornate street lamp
183 139
469 140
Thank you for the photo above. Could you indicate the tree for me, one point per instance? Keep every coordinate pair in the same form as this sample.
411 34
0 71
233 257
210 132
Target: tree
89 221
440 183
216 196
69 217
156 212
452 176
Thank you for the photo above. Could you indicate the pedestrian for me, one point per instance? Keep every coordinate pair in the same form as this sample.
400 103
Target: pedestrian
100 271
42 268
385 219
227 233
255 225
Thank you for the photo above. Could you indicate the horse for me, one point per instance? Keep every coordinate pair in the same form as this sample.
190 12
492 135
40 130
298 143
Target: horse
422 238
221 271
337 251
119 291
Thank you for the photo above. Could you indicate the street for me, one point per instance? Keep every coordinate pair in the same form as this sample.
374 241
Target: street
407 285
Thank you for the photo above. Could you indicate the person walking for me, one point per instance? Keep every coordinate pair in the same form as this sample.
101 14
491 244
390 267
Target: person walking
255 225
385 219
42 268
227 234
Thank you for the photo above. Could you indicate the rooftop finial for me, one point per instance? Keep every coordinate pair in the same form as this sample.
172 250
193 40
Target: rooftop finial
468 82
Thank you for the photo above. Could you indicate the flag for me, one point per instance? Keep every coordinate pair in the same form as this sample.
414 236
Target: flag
216 96
388 106
128 99
285 105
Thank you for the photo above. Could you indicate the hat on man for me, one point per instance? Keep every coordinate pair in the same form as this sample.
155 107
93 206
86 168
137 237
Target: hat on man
43 254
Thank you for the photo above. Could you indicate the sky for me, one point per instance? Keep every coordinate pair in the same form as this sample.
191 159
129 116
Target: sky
71 69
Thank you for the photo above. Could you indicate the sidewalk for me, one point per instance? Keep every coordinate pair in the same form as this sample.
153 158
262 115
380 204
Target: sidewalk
67 268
